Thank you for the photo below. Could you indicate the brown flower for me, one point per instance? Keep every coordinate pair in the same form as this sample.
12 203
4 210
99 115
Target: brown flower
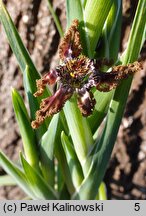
107 81
52 105
77 74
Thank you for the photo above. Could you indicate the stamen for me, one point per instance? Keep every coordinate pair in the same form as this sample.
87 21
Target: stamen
72 74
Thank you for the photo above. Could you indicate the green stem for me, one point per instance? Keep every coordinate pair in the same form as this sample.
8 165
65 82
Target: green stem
55 18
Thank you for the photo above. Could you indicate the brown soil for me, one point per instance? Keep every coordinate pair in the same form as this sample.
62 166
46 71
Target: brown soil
126 174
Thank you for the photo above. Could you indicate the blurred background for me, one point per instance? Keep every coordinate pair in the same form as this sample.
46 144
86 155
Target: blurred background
126 174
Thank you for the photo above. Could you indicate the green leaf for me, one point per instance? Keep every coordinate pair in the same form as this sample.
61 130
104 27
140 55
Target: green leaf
72 160
102 103
102 192
60 183
47 145
63 166
80 133
110 39
36 182
7 180
27 133
114 116
55 18
48 139
74 10
64 195
16 173
144 38
96 13
15 41
108 49
84 3
118 103
29 80
89 188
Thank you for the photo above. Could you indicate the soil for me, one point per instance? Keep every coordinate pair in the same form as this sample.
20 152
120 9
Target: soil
126 174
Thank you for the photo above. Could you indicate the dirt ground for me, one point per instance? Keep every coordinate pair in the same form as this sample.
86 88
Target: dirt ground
126 174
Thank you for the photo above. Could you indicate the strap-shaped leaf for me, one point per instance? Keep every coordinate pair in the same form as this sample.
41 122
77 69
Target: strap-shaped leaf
74 10
102 103
89 188
109 47
118 103
115 113
36 182
111 34
48 139
63 167
7 180
47 145
84 3
27 133
15 41
102 192
34 103
80 133
55 18
17 174
64 195
72 160
95 14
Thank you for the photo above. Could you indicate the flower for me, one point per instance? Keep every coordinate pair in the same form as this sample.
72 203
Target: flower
77 74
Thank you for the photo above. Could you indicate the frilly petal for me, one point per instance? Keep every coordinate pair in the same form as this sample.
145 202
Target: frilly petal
107 81
49 78
70 45
52 105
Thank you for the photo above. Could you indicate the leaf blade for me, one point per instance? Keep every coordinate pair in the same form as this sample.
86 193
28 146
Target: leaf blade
36 182
55 18
16 173
114 116
80 133
95 15
27 133
47 145
73 163
29 80
7 180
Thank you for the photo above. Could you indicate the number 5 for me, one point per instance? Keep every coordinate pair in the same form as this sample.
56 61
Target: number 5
137 207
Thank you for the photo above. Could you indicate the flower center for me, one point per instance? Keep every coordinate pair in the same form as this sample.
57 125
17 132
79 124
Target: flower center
74 72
